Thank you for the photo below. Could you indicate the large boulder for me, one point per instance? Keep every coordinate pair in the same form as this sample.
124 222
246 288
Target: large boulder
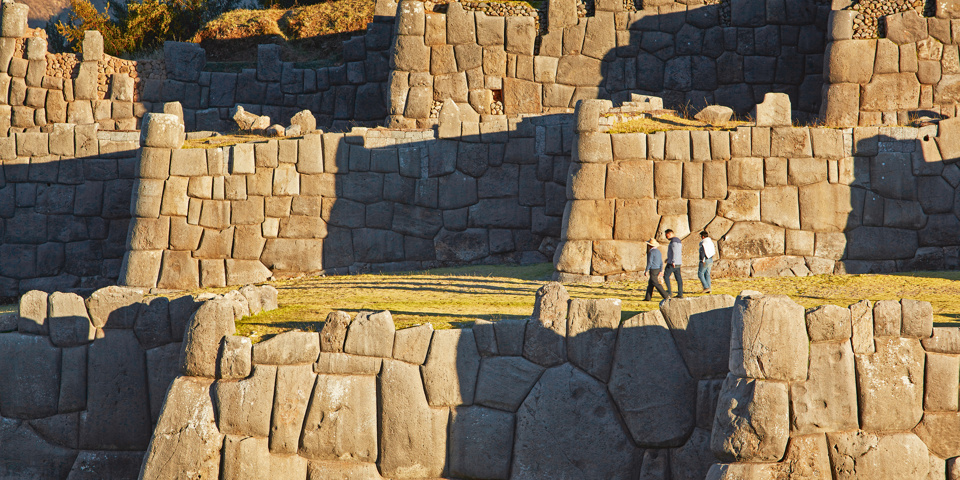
341 421
411 344
413 436
26 455
201 342
244 406
567 428
544 342
67 320
751 240
371 334
30 384
334 331
481 442
186 442
591 334
768 338
752 423
858 454
503 382
450 372
701 328
97 465
656 395
890 385
827 400
294 383
114 306
288 348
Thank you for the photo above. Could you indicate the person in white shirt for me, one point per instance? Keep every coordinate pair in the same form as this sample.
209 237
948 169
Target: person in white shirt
707 252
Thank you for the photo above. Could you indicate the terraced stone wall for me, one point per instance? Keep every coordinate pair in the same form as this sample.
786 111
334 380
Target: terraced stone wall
371 199
778 200
493 66
85 378
914 70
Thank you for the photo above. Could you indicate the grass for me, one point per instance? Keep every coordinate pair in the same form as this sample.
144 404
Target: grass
456 297
665 122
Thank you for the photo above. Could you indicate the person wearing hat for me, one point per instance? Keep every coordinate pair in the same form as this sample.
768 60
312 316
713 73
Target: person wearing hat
655 269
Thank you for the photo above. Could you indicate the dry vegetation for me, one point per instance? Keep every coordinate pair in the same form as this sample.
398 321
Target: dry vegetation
668 121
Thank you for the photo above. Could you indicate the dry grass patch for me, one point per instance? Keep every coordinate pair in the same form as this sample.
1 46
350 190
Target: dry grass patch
667 121
456 297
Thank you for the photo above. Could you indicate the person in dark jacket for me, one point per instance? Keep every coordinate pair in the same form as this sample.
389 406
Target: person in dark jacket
674 256
655 269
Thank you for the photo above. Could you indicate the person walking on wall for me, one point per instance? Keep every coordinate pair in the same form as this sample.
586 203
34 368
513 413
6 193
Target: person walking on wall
655 269
707 252
674 256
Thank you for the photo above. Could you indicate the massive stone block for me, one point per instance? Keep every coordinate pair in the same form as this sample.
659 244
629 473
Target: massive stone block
30 386
566 428
827 400
294 383
701 328
208 325
544 340
650 384
752 422
481 442
503 382
413 436
768 338
860 454
591 334
371 334
27 455
890 385
341 422
244 406
450 372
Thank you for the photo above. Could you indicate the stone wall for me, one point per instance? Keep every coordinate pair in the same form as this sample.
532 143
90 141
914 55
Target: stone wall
338 203
571 393
493 65
84 379
707 387
913 71
779 200
64 207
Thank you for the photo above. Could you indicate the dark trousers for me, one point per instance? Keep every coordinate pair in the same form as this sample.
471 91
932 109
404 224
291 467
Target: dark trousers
654 282
675 271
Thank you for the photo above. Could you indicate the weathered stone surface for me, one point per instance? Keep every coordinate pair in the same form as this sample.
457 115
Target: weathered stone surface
861 454
779 206
938 432
334 331
97 465
411 344
944 340
694 458
333 470
768 338
917 318
162 369
828 323
715 114
481 442
510 335
31 385
566 428
827 400
345 364
701 328
152 326
650 385
186 442
485 336
294 384
886 318
32 313
591 334
890 384
207 327
341 422
27 455
115 421
544 342
67 320
450 372
114 307
906 27
774 111
287 348
941 379
503 382
244 406
234 361
752 240
752 423
413 436
842 68
162 130
371 334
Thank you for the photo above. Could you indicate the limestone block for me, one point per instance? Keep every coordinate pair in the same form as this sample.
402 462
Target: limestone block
461 26
764 348
450 371
701 328
289 348
827 400
591 334
294 384
586 181
32 313
140 268
14 23
752 422
886 318
520 35
861 319
937 430
650 385
860 454
558 431
745 173
413 436
625 180
841 104
207 327
905 27
411 54
234 360
780 206
503 382
740 206
183 61
944 340
411 344
162 130
890 384
371 334
31 387
152 326
67 320
614 257
341 420
825 207
715 114
850 61
186 440
774 111
179 271
917 318
244 406
334 331
579 70
891 91
574 257
520 96
940 383
828 323
677 146
589 219
544 339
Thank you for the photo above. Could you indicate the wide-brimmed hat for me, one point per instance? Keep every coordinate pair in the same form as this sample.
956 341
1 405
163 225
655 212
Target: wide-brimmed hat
653 242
